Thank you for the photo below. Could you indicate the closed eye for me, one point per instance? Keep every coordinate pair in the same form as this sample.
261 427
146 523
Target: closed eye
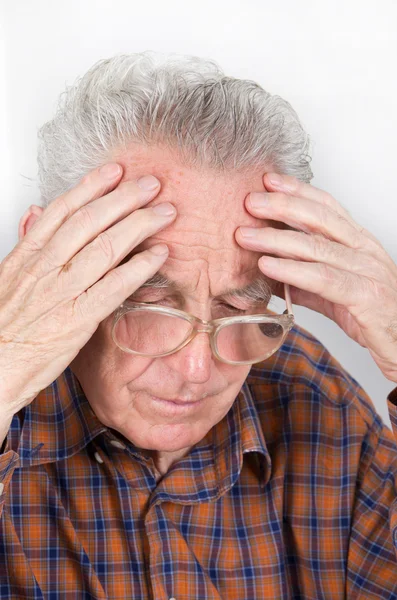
233 308
227 307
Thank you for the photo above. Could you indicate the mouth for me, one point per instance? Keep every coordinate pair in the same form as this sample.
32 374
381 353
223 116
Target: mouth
179 402
175 406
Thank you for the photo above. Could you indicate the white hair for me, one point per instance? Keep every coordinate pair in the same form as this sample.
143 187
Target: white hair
182 102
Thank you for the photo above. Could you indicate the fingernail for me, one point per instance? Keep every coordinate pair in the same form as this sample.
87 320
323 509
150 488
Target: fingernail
258 199
248 232
110 171
164 210
148 182
275 179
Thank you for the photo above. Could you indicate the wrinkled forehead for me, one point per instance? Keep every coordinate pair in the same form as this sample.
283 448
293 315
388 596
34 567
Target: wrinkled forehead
210 207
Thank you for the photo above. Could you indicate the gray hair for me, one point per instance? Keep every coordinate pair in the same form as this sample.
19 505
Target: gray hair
180 102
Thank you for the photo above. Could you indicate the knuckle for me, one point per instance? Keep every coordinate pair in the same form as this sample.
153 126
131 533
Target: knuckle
104 242
324 248
365 232
83 218
117 279
30 245
296 236
346 282
342 281
318 246
330 202
81 310
11 263
60 208
355 241
117 282
327 273
324 217
49 257
382 292
378 269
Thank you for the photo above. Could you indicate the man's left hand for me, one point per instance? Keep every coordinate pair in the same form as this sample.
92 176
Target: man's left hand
333 265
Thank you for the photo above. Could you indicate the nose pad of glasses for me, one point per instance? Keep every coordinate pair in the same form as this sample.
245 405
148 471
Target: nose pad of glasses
204 328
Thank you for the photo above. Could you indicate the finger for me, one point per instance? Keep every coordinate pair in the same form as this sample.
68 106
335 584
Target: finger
92 219
93 185
328 309
100 300
296 187
313 248
306 299
312 301
308 216
336 285
111 246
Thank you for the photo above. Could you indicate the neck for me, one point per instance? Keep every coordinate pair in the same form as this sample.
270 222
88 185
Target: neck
164 460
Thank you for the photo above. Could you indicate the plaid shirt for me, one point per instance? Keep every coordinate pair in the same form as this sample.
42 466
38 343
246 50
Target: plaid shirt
293 495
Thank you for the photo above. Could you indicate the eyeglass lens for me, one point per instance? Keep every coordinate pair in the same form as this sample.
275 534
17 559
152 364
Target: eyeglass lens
150 333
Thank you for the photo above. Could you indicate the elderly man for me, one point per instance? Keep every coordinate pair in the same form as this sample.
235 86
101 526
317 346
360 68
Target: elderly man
166 434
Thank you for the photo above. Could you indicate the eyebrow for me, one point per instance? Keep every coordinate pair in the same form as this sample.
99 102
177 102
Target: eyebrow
258 291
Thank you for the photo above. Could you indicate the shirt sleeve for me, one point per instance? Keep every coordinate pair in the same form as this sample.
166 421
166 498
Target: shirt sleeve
372 552
8 462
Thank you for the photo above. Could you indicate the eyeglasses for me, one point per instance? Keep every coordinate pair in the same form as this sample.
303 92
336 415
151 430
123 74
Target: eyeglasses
150 330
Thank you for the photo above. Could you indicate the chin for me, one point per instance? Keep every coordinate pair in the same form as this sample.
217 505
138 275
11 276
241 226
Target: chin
171 438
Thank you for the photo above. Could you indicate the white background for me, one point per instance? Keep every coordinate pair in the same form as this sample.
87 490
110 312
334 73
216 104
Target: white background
335 62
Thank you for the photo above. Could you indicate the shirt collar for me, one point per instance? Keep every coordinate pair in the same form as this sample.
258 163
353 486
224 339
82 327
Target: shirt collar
57 424
60 422
235 436
214 465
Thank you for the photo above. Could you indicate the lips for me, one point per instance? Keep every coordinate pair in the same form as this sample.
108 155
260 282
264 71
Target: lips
171 409
178 401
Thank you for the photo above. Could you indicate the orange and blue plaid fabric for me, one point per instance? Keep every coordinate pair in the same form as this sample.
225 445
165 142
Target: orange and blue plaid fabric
291 496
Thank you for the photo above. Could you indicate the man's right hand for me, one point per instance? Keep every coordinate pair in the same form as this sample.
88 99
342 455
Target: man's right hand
61 280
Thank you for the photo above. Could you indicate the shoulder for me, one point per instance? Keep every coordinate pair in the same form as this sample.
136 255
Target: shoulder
304 383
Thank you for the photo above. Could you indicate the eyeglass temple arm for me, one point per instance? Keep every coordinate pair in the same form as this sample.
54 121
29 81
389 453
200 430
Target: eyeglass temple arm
287 294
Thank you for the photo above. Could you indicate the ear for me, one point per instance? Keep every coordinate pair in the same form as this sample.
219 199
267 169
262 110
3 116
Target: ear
28 219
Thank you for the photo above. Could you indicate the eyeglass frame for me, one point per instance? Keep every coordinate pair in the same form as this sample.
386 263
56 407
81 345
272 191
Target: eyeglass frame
212 327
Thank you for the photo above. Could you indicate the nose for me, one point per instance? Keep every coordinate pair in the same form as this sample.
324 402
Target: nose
195 360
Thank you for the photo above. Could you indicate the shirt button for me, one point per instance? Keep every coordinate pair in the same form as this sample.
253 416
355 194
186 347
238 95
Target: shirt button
98 457
172 598
117 444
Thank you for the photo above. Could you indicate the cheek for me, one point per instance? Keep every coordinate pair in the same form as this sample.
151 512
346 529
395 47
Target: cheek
136 371
239 372
110 366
